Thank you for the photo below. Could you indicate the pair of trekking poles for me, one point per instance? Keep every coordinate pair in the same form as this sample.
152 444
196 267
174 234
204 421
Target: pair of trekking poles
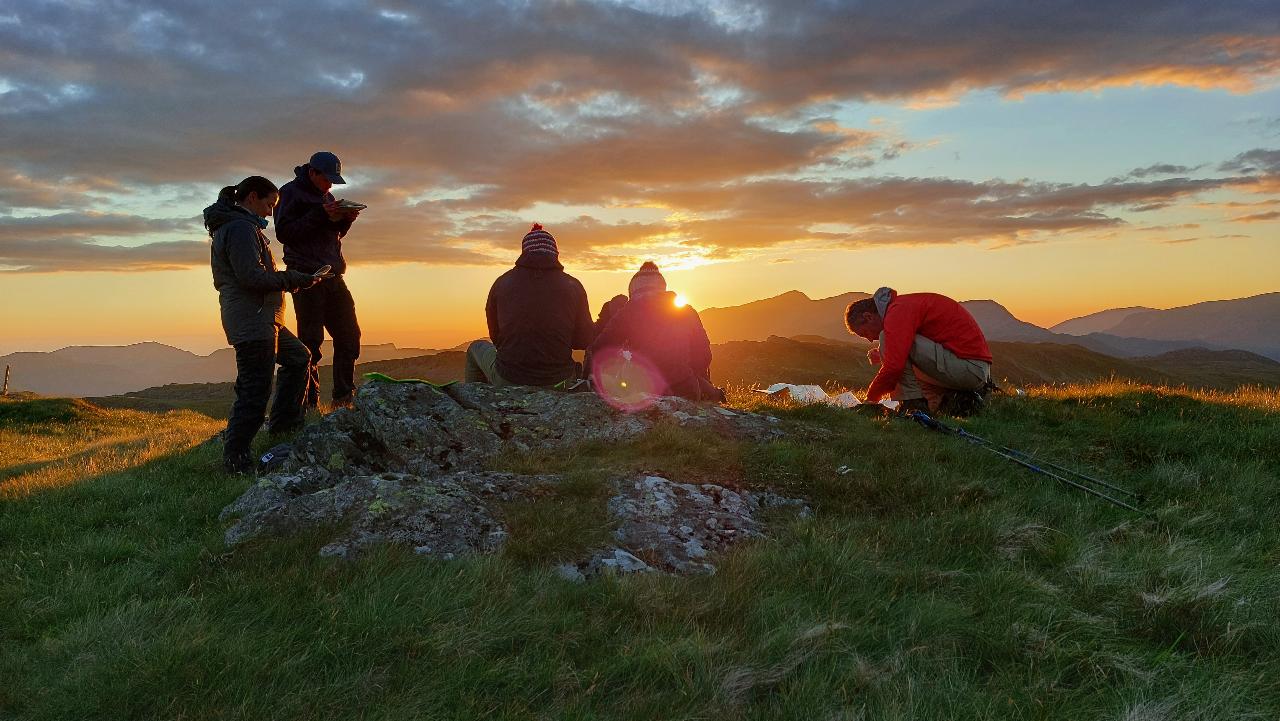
1095 487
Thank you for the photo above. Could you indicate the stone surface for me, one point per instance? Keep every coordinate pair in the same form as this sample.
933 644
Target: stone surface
405 465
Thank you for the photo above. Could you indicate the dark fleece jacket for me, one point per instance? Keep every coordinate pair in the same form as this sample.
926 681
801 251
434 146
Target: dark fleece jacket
309 238
538 315
250 289
669 337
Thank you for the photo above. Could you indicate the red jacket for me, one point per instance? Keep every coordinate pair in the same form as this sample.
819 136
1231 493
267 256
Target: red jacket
933 316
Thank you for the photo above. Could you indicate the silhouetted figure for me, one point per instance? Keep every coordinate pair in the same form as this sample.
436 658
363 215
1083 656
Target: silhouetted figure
537 315
931 351
654 333
311 226
251 298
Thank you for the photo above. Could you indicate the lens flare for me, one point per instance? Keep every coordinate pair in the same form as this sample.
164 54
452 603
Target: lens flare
681 301
625 380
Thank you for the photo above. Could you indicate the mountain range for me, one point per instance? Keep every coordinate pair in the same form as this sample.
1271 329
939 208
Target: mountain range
1232 339
80 371
1251 324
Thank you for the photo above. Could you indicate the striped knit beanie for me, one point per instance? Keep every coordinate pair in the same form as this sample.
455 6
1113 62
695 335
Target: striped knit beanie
538 240
647 280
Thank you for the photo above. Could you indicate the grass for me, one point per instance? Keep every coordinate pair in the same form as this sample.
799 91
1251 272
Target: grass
934 581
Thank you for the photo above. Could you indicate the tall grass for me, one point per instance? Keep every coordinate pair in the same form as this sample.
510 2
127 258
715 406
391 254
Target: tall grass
933 581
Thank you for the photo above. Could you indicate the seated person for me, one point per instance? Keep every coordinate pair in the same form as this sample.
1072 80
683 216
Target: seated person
607 312
931 351
666 338
538 315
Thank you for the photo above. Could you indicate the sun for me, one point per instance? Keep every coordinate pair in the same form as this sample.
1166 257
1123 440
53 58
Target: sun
681 301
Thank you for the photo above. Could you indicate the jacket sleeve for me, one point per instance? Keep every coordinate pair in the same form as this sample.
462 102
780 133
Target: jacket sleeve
614 333
243 253
299 222
584 329
491 315
342 226
699 345
899 335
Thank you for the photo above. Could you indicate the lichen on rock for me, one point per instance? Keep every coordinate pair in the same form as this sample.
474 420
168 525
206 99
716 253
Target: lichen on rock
406 465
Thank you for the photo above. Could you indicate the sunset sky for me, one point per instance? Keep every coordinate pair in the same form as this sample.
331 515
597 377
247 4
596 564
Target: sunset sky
1059 157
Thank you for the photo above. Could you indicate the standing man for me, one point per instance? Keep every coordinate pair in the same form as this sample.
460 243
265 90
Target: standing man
538 315
311 225
932 353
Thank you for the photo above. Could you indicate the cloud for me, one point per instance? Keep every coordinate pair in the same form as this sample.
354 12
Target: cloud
459 120
1258 217
1256 161
1162 169
63 254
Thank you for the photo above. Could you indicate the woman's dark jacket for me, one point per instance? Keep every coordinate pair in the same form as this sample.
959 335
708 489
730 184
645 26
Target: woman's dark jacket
250 289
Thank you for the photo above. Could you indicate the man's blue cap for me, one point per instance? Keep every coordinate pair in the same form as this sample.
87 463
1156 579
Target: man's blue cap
328 164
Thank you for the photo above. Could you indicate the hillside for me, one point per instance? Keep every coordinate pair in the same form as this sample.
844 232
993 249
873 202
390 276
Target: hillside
112 370
812 359
931 580
1099 322
214 399
1020 364
1251 324
1216 369
792 313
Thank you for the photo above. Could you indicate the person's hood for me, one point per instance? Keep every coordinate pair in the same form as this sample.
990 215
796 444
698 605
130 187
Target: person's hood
883 297
539 261
225 211
302 181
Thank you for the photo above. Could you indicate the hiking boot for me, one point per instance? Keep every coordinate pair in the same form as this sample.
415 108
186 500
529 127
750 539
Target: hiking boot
917 405
962 404
237 464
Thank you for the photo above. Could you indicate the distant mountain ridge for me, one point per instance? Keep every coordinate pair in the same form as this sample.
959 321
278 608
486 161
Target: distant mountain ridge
1100 322
1251 324
794 314
80 371
1248 324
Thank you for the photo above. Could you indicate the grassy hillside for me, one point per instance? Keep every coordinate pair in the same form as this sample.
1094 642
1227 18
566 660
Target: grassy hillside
845 365
1222 369
934 581
813 359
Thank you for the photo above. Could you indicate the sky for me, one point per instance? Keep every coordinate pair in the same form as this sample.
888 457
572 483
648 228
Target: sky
1058 157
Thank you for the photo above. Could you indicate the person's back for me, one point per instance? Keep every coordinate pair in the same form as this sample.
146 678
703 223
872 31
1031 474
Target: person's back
940 319
537 316
665 336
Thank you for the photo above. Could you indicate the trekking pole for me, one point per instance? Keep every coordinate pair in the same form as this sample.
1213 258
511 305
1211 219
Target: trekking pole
1050 464
1021 459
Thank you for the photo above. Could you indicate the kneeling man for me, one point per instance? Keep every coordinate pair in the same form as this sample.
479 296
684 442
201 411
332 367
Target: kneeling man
931 351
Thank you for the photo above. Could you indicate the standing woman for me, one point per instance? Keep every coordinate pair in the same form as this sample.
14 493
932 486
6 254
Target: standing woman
251 296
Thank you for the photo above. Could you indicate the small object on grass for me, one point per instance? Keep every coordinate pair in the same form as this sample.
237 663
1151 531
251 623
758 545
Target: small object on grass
375 376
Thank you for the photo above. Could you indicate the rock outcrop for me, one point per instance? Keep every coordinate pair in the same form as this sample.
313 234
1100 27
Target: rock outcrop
406 464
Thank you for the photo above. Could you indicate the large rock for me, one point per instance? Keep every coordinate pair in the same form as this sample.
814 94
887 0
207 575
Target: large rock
405 465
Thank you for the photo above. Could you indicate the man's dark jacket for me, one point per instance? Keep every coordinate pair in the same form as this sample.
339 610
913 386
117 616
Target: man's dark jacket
310 239
250 289
671 338
538 315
